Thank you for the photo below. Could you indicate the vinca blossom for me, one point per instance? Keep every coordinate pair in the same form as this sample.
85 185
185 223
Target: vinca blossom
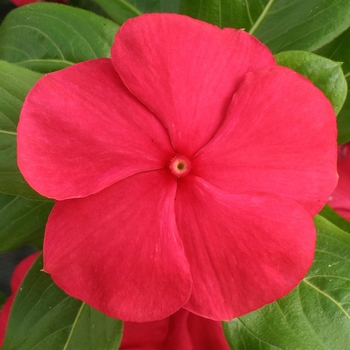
186 171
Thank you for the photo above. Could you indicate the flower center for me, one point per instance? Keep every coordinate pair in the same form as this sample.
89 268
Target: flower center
180 166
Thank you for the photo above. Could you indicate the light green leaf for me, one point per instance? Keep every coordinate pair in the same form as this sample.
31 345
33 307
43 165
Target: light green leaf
46 37
316 314
239 337
22 220
44 317
325 74
15 83
328 213
281 24
339 50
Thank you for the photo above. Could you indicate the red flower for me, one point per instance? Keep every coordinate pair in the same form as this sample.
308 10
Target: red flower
186 169
182 330
16 280
340 198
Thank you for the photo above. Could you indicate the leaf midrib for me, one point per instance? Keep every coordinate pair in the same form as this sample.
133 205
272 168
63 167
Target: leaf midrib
74 326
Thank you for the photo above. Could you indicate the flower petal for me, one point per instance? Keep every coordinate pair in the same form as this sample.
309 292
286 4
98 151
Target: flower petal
279 137
189 331
144 335
185 71
21 270
244 250
340 198
81 130
4 317
119 250
182 330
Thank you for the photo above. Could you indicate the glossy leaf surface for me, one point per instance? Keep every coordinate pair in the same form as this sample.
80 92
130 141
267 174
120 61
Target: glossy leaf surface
316 314
339 50
281 24
22 220
15 83
47 37
44 317
226 13
325 74
328 213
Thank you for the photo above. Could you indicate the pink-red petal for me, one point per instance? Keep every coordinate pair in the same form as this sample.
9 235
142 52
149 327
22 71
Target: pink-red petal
244 250
279 137
4 317
119 250
185 71
340 198
81 130
182 330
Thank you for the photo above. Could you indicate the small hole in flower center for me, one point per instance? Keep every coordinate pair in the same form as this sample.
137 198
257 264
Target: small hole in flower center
180 166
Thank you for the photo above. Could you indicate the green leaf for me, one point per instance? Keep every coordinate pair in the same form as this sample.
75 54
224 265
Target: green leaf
316 314
121 10
325 74
328 213
281 24
47 37
15 83
339 50
300 24
148 6
225 13
44 317
22 220
239 337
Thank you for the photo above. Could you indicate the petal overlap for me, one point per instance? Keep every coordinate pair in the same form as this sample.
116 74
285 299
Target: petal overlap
166 63
119 250
243 249
81 130
279 137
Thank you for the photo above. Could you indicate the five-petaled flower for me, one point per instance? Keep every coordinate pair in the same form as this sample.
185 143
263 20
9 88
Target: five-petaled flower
187 169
